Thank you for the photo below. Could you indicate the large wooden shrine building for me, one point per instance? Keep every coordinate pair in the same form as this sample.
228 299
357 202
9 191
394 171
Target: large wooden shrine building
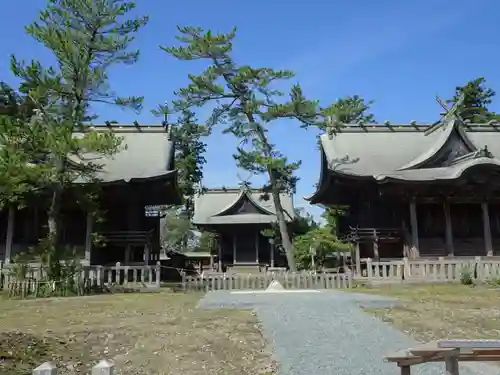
415 190
237 217
139 177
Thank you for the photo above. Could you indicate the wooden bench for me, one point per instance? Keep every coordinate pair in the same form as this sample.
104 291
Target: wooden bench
451 352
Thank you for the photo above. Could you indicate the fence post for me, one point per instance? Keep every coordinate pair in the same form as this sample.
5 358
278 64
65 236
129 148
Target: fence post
406 268
479 268
100 276
47 368
369 268
158 273
183 281
442 269
118 273
103 368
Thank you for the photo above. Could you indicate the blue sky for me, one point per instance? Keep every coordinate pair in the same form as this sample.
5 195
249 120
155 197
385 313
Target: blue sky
399 53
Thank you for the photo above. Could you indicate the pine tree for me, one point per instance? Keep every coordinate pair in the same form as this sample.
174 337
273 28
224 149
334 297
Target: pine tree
189 154
477 98
247 104
87 38
18 147
351 109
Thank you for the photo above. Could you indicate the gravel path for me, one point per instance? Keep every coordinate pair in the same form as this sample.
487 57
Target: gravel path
328 333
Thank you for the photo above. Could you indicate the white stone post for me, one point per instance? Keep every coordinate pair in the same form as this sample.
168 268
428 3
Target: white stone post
47 368
103 368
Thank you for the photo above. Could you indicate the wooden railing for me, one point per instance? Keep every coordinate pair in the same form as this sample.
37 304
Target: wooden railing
370 234
128 237
440 269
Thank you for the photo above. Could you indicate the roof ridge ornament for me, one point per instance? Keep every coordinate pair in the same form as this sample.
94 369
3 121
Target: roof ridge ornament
167 126
244 182
485 153
450 113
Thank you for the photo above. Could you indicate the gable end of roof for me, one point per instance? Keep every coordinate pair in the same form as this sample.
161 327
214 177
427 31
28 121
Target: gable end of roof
452 137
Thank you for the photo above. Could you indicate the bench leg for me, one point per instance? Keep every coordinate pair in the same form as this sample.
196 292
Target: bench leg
405 370
451 363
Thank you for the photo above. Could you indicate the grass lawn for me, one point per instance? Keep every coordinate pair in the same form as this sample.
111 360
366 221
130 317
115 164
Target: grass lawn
442 311
143 333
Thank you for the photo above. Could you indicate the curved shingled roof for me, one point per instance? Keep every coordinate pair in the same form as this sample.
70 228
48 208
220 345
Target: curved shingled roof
408 152
216 206
147 153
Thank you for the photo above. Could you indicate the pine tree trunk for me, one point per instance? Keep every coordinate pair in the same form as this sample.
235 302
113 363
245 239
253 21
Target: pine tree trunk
52 246
53 216
280 212
285 235
53 225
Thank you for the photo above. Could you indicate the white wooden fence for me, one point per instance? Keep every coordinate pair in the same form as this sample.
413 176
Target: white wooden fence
102 368
440 269
259 281
28 279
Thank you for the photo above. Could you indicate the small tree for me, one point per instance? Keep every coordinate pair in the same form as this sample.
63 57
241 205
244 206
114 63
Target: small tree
302 223
205 243
86 38
246 102
320 242
179 229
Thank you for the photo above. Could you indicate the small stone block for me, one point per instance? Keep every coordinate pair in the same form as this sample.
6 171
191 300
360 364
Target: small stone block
47 368
103 368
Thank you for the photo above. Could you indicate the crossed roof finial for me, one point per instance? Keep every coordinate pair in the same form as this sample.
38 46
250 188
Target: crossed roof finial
244 182
448 114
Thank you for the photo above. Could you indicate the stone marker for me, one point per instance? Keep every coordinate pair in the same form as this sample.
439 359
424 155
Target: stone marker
275 286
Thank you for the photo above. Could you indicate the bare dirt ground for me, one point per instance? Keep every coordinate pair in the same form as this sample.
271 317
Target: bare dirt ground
143 333
430 312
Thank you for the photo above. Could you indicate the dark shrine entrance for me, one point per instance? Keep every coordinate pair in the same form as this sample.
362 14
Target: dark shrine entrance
246 247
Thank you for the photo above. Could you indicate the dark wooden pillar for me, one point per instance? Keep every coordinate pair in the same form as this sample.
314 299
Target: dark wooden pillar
271 249
257 246
219 251
88 237
10 233
235 243
488 245
449 229
415 250
132 225
376 256
358 259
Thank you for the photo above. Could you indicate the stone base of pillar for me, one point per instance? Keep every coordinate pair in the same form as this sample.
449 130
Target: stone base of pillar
489 253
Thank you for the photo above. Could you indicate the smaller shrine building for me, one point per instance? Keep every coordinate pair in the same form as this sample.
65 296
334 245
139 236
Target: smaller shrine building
237 216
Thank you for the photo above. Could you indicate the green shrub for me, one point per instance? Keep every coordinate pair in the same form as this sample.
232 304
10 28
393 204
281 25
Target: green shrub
466 276
494 281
